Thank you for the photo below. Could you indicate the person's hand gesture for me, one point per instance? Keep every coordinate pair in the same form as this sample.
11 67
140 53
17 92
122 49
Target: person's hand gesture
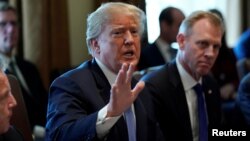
122 96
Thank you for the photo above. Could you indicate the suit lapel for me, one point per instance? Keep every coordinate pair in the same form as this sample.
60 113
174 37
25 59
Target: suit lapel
102 83
212 96
158 59
179 97
140 116
140 120
207 91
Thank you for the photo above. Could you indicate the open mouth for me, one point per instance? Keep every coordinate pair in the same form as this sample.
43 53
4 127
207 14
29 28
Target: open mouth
129 54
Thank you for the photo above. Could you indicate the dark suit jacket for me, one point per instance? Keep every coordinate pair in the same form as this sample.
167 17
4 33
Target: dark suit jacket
11 135
74 101
151 56
171 107
36 101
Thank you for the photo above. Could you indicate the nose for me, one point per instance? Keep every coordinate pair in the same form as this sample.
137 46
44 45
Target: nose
10 27
210 52
129 40
12 102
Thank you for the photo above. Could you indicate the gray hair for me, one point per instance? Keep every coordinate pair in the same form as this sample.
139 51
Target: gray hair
188 23
97 20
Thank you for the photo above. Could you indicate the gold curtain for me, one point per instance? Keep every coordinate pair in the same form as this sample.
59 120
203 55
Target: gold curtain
46 39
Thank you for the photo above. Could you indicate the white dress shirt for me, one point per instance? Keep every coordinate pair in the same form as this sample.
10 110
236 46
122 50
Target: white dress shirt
191 97
164 47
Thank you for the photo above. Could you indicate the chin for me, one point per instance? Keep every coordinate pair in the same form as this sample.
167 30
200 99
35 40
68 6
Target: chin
135 62
205 72
202 71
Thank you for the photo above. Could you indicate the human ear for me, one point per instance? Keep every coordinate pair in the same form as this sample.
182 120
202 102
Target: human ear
95 46
180 38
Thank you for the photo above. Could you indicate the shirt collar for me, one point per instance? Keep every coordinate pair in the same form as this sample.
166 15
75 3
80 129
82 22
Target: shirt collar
187 80
107 72
6 60
162 45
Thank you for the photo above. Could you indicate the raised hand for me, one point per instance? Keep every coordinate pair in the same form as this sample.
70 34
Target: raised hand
122 96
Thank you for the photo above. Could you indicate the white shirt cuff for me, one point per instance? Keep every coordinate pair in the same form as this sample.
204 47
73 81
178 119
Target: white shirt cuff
103 123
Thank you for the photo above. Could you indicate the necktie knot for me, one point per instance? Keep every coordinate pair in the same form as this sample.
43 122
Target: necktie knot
198 89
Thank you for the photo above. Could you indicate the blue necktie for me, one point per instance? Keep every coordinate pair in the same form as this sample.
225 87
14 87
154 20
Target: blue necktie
131 125
202 114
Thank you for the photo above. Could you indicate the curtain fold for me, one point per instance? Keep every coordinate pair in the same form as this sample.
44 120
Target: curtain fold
46 38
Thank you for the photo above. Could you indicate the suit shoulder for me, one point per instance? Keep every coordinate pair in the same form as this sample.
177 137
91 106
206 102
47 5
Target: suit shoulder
13 135
24 62
82 69
156 75
79 74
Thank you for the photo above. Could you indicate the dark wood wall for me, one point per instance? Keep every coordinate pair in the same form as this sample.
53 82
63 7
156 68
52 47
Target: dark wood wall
55 36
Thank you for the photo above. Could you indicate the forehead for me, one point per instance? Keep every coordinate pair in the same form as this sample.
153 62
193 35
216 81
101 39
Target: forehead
8 15
205 26
122 19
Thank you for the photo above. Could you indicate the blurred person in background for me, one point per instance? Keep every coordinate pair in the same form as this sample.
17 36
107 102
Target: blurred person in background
226 75
7 103
34 93
161 51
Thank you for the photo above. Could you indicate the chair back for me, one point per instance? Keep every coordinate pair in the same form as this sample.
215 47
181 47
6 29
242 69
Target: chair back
19 118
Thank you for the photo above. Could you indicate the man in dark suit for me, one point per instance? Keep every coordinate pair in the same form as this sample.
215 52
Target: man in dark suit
7 103
181 113
161 52
92 101
35 95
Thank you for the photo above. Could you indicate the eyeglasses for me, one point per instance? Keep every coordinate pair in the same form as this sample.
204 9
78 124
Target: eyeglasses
3 24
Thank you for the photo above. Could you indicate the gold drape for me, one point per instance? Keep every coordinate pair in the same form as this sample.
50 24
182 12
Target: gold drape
46 38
